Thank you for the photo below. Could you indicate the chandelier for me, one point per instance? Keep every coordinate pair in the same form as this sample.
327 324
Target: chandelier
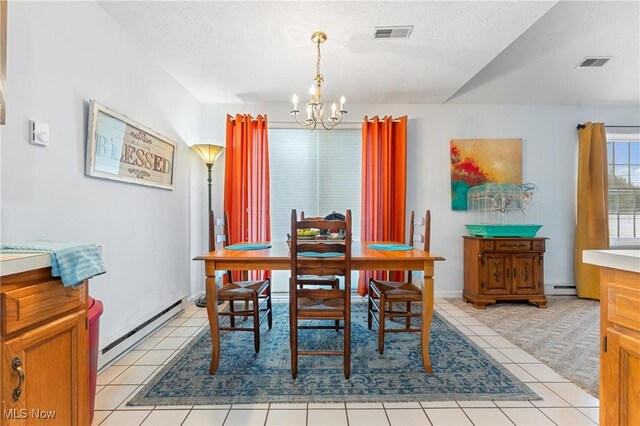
315 106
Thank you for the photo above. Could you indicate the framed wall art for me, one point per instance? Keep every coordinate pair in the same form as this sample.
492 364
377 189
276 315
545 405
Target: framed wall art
481 161
120 149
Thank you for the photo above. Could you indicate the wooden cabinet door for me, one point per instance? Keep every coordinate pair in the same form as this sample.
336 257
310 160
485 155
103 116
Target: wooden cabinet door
526 273
496 277
620 398
55 385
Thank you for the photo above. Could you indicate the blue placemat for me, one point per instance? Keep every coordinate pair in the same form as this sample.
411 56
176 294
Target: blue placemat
392 247
248 246
315 254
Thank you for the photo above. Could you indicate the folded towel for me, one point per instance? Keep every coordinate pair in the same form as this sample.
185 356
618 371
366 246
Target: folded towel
248 246
390 247
72 262
316 254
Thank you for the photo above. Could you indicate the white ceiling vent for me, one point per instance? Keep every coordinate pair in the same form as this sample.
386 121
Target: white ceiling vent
403 31
593 61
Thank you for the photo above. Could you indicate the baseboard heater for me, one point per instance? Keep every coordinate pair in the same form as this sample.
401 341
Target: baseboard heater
116 348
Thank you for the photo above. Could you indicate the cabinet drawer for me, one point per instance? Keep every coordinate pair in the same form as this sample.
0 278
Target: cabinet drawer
30 305
624 306
486 245
513 245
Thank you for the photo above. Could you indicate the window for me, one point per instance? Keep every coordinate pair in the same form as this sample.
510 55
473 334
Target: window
623 158
317 172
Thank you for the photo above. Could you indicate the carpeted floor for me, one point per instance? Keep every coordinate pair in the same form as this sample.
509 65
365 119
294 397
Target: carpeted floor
565 335
462 371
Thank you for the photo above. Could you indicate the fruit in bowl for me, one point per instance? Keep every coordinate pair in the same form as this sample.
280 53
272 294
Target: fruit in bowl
308 232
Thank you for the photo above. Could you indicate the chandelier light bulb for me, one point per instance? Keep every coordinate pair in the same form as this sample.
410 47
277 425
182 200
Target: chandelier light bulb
315 106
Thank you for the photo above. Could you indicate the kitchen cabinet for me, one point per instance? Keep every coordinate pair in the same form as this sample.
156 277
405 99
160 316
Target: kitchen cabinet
619 334
44 350
503 269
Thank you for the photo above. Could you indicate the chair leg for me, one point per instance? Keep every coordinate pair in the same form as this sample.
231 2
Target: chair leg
369 313
407 320
347 344
256 322
334 286
270 313
293 336
232 318
382 305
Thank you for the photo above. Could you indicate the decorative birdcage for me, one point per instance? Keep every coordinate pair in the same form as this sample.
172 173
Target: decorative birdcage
503 210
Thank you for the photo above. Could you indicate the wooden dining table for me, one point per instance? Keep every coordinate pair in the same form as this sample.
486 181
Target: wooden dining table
277 257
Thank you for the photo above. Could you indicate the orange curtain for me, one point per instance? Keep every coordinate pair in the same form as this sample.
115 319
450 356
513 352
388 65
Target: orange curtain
384 185
592 228
246 181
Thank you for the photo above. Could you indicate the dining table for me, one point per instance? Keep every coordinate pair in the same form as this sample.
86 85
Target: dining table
278 257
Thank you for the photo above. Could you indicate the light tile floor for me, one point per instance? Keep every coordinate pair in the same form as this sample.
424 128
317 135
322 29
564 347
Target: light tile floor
563 402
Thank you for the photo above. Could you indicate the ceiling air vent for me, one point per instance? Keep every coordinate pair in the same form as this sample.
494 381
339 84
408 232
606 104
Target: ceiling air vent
590 62
393 32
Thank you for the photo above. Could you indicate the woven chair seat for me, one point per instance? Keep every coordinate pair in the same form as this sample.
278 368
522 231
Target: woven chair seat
309 305
396 290
242 289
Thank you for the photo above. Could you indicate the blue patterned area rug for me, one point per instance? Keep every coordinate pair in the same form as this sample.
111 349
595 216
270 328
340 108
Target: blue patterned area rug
461 370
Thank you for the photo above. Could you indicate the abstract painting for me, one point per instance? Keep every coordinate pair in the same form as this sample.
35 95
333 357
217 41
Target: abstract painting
480 161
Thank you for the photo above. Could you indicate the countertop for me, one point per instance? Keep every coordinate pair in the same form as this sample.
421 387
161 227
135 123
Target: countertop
626 260
13 263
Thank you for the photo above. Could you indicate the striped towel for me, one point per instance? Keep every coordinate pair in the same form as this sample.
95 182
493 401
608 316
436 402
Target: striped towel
72 262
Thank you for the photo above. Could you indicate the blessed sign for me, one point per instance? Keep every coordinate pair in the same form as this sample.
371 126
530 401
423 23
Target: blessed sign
121 149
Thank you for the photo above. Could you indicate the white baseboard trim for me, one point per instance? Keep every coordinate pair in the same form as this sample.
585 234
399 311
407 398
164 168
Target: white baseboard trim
121 345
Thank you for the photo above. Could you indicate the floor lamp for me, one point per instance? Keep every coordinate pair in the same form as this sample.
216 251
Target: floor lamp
209 154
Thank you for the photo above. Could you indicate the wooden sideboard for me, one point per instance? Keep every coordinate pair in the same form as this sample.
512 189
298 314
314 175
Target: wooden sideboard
619 335
44 349
503 269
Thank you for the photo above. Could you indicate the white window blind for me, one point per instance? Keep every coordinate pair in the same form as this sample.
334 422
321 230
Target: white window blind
623 159
317 172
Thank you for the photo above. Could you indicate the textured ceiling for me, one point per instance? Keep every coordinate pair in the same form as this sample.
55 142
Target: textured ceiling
477 52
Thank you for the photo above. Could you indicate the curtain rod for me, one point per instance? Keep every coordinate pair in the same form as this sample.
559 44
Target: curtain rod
582 126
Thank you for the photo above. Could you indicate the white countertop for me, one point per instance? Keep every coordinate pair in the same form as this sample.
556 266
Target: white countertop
627 260
13 263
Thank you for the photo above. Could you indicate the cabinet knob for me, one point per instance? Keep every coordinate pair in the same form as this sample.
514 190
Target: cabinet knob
16 364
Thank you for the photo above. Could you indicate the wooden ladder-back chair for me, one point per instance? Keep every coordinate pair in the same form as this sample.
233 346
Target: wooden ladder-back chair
383 295
315 280
317 304
255 294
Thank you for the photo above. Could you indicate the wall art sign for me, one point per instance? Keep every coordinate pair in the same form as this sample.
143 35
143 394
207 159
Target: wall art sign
481 161
118 148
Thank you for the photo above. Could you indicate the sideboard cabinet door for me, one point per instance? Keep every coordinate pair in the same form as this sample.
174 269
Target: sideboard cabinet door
44 374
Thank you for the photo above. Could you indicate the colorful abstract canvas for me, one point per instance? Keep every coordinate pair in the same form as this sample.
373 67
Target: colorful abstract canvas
480 161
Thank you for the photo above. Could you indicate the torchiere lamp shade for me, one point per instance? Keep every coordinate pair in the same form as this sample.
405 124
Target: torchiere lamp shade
209 153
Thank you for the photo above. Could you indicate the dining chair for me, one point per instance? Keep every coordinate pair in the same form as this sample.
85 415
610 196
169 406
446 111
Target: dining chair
384 295
256 295
320 258
315 280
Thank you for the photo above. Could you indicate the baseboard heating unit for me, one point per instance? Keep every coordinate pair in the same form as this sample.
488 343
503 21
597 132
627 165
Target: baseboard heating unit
116 348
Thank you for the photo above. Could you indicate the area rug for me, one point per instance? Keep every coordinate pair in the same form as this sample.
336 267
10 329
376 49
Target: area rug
565 335
461 370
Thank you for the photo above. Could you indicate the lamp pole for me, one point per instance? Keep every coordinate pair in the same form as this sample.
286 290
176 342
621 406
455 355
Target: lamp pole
212 226
209 154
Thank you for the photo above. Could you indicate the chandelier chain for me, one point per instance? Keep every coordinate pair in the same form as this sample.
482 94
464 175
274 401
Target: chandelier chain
318 62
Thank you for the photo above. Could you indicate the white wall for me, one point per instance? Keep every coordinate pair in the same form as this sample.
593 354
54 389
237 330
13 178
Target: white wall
60 55
549 160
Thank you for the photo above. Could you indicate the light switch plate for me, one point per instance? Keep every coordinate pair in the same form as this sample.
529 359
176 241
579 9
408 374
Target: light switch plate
38 133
